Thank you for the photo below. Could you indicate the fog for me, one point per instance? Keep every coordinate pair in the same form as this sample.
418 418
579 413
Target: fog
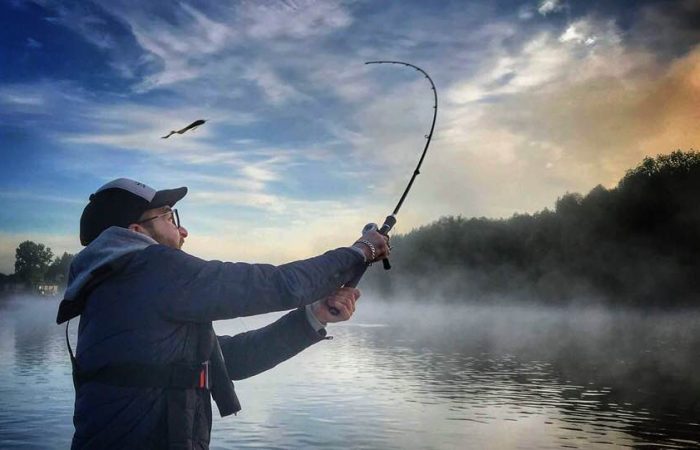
573 333
639 366
624 372
647 360
633 245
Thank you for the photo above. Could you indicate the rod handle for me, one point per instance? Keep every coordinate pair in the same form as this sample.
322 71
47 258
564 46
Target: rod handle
389 223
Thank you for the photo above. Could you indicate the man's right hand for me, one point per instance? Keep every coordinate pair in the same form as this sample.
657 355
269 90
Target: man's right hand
342 300
378 241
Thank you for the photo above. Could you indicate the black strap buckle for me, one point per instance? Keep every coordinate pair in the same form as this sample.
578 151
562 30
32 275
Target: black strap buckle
185 375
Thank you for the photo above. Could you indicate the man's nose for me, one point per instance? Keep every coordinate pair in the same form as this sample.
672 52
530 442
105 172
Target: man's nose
183 232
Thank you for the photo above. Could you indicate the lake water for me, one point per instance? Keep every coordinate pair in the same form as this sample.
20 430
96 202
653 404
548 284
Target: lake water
414 376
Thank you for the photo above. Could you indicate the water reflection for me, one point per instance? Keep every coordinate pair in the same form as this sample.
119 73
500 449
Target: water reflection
32 342
36 397
629 385
398 377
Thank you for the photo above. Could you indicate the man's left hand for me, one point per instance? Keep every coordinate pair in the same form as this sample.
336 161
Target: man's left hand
342 299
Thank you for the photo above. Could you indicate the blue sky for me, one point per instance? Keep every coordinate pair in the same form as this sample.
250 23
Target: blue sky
304 143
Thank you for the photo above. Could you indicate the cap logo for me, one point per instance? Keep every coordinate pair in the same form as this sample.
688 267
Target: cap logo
137 188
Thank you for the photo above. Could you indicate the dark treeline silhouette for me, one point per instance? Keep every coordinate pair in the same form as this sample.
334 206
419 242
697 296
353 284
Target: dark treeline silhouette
35 264
635 244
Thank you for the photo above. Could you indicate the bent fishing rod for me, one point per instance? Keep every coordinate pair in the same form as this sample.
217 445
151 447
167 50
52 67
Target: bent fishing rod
390 220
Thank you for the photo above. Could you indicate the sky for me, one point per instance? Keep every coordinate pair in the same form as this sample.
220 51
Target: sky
304 143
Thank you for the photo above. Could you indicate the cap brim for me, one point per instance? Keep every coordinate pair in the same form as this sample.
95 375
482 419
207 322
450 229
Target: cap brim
168 197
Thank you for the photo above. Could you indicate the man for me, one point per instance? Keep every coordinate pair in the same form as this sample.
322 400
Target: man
147 359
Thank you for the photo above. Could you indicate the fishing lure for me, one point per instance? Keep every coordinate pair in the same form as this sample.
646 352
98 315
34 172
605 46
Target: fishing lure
189 127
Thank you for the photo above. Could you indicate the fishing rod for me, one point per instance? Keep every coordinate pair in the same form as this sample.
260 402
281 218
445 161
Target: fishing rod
390 220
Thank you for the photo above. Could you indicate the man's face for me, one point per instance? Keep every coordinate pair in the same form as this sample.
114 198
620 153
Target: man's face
159 224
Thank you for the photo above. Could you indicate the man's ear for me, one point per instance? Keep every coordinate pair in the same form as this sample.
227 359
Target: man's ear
139 229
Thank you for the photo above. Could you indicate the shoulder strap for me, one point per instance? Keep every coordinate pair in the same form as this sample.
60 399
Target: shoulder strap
73 361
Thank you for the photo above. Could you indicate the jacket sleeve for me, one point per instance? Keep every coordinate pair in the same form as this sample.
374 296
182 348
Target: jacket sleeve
204 291
256 351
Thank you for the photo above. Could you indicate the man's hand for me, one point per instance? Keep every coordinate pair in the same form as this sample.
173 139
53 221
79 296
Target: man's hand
342 299
374 245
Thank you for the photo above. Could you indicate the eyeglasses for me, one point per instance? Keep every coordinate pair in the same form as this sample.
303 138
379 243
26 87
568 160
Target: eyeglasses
174 217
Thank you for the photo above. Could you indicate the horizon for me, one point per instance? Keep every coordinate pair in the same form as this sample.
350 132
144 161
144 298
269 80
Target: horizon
537 99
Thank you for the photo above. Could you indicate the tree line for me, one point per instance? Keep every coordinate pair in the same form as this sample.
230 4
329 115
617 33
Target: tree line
35 264
637 243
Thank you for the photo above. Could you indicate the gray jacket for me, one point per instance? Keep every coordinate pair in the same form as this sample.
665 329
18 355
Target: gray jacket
152 312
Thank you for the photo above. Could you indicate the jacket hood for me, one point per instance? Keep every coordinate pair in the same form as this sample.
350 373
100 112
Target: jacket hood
111 244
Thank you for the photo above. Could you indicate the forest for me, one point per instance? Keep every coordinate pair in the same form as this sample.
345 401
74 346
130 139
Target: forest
36 265
634 244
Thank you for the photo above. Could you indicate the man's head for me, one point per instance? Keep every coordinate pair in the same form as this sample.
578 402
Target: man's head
163 225
129 204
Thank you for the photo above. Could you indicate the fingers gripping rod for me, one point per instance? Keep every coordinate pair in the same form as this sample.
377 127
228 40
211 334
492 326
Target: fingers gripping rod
389 223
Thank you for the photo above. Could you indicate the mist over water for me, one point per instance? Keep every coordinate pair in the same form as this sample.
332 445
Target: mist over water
414 374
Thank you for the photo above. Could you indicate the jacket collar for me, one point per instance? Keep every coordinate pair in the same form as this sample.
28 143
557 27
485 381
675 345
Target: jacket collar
110 245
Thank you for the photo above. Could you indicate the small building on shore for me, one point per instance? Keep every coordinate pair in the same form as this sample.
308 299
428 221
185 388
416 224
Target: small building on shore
47 290
10 285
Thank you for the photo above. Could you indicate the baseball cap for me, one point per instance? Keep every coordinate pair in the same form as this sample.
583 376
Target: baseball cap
121 202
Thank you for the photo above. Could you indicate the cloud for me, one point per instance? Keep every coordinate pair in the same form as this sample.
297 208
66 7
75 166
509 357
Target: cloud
573 33
276 90
34 44
198 43
539 62
263 201
285 235
293 19
85 18
588 33
668 30
33 196
549 6
20 98
41 105
181 59
526 12
586 49
534 145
